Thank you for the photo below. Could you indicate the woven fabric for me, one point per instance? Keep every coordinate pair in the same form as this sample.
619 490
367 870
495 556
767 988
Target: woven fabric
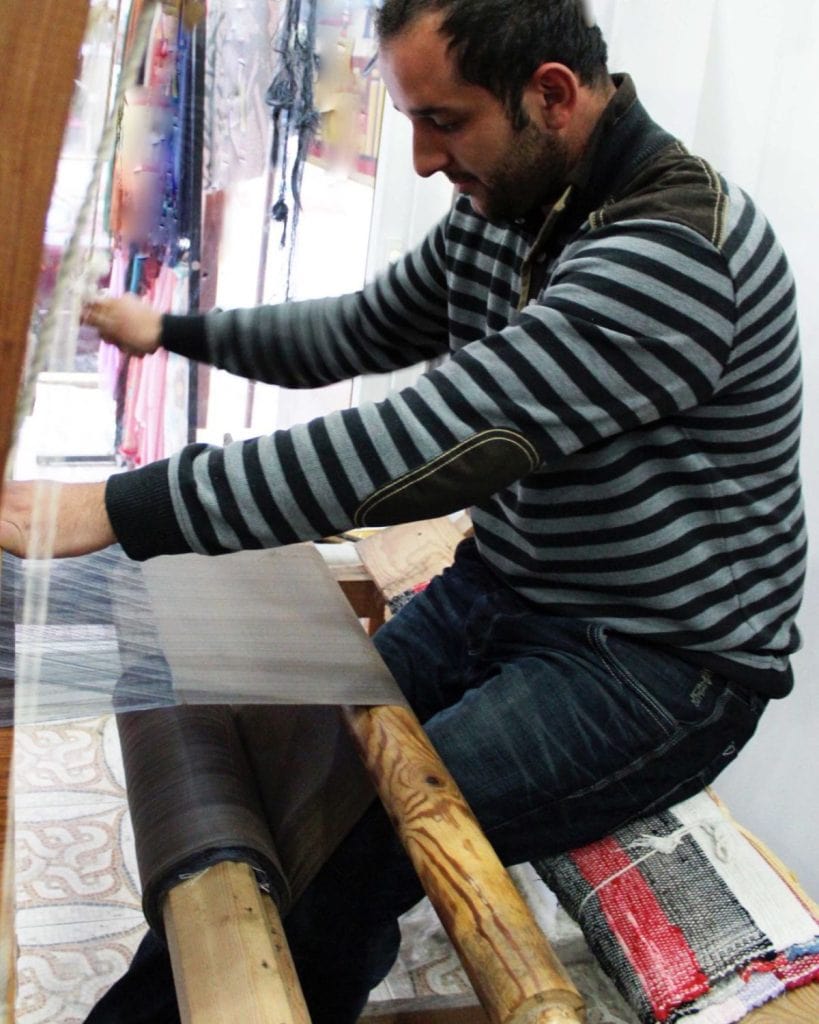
687 917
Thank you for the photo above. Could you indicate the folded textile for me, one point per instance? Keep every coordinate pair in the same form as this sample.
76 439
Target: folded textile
687 916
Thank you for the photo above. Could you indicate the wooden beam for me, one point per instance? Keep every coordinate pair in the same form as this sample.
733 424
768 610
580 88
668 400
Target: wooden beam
513 970
516 975
39 48
229 955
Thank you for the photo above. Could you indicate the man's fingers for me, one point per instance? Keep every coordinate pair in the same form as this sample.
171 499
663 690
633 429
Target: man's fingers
96 314
126 322
12 538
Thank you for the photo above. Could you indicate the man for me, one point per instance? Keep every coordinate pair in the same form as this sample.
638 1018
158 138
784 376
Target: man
620 409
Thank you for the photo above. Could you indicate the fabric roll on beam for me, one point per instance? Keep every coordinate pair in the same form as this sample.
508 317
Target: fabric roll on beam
193 801
275 787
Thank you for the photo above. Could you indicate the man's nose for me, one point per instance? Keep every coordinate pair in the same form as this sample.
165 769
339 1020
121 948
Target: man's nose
428 155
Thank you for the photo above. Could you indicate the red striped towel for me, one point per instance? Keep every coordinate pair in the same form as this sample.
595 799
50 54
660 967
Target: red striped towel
687 917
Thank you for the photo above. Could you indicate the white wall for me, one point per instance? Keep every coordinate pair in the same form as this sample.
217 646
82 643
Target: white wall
738 81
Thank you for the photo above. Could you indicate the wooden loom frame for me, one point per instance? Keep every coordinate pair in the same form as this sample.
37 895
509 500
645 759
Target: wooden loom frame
39 44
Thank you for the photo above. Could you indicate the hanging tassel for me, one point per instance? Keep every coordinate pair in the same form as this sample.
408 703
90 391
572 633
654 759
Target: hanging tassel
293 113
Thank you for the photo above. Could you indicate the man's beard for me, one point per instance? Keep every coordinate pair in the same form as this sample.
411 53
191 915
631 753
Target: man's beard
532 176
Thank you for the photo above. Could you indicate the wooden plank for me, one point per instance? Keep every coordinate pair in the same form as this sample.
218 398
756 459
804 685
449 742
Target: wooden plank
802 1005
228 952
39 46
507 957
798 1007
403 556
359 588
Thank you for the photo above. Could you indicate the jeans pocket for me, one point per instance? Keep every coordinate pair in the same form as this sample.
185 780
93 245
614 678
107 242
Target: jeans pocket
677 693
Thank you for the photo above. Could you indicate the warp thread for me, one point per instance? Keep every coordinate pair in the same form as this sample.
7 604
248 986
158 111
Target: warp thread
75 277
77 270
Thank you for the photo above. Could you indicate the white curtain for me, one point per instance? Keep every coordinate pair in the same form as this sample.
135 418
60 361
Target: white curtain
738 82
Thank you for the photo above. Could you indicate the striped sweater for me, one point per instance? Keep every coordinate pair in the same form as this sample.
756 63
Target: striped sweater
620 408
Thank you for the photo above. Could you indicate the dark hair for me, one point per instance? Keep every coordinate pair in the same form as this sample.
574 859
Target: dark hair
498 44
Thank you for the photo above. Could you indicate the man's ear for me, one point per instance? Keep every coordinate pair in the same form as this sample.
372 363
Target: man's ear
552 95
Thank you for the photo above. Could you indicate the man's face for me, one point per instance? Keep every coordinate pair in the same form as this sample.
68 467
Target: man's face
464 131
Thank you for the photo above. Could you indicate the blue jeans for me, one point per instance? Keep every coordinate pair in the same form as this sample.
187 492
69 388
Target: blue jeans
557 731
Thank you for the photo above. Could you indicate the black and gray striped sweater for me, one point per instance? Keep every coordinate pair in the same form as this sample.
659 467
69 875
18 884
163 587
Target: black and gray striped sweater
620 408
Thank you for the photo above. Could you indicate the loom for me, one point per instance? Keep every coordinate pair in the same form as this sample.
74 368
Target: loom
144 675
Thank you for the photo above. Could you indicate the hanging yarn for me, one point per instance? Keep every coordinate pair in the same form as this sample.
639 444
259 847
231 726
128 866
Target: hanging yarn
293 112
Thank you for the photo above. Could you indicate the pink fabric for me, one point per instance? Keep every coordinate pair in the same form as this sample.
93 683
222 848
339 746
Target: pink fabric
143 435
109 359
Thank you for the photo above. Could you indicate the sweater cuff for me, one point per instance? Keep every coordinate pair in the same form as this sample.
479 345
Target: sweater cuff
184 335
141 511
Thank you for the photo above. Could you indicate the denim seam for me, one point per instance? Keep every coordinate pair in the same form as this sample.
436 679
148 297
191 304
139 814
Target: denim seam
681 734
594 635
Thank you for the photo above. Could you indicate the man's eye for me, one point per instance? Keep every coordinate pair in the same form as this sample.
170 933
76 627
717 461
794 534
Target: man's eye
446 126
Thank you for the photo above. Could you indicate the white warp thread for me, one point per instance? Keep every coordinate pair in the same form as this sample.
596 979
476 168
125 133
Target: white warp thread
74 278
76 268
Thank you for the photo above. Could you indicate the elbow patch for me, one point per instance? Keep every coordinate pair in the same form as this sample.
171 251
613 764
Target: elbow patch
456 479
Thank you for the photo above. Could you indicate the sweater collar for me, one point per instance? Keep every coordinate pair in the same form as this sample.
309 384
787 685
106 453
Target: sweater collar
623 138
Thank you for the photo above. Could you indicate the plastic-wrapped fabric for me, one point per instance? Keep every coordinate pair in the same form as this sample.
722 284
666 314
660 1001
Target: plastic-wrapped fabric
91 635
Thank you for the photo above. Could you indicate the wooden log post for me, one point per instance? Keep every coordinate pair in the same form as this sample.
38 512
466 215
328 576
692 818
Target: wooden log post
229 955
39 50
514 972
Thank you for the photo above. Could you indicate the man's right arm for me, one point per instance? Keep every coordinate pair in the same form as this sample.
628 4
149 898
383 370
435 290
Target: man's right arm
45 519
398 320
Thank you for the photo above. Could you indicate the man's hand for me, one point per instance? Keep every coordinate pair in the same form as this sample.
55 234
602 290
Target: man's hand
131 325
45 519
